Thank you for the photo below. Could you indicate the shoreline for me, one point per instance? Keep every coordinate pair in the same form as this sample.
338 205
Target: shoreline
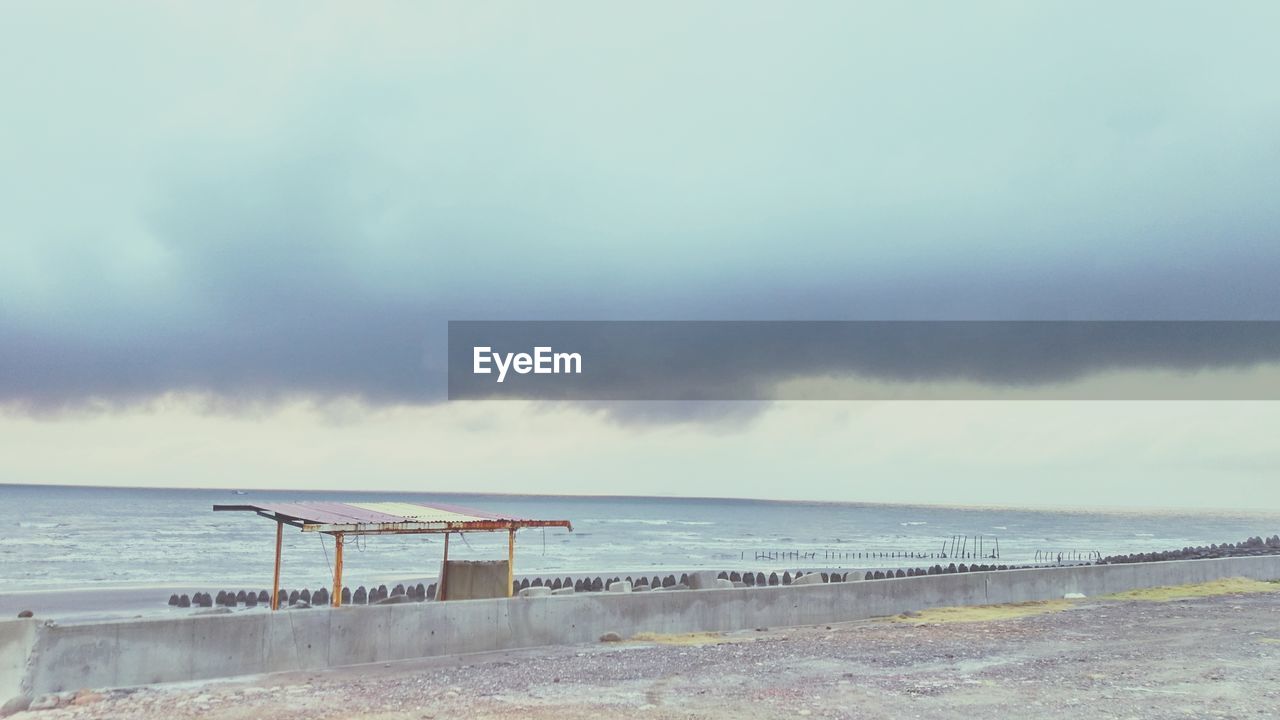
82 604
87 604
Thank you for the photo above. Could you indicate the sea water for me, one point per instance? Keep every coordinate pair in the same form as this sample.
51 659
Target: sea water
56 537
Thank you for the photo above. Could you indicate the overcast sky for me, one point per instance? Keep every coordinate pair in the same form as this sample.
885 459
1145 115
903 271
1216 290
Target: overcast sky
232 233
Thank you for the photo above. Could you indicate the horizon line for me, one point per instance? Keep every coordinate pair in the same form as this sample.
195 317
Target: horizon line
1110 509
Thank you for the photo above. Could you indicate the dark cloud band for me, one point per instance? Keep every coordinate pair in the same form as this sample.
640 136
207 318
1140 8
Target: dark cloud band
719 361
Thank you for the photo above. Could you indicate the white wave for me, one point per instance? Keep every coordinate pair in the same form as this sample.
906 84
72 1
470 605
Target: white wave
913 522
628 521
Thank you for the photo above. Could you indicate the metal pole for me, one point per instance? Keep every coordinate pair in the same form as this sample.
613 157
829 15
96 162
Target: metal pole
338 542
275 583
444 568
511 561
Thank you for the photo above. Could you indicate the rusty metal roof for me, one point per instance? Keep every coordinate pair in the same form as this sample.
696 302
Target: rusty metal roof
387 518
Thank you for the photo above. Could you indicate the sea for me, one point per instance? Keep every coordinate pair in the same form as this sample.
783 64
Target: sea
61 537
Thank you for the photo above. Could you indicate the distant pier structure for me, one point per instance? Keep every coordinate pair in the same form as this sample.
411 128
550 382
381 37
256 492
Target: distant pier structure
963 547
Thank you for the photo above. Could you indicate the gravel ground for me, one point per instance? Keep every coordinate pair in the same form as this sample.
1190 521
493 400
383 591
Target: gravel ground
1212 657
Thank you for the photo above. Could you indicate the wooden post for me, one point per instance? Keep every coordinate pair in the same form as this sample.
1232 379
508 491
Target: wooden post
275 583
338 542
511 561
444 569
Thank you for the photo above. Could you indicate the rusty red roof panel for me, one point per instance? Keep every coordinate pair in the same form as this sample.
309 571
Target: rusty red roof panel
330 512
343 516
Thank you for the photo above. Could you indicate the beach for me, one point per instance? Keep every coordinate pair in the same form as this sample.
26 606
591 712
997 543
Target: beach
1196 651
170 541
427 360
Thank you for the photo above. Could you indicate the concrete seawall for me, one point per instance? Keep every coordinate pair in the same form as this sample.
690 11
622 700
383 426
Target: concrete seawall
37 658
17 638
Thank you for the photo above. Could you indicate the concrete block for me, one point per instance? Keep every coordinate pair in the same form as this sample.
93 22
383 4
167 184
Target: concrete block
705 580
76 656
723 584
621 586
17 638
297 641
222 646
357 634
810 579
671 588
471 626
537 591
407 630
475 579
563 591
146 652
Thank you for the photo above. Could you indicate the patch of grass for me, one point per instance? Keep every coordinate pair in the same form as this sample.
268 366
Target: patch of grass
982 613
699 638
1227 586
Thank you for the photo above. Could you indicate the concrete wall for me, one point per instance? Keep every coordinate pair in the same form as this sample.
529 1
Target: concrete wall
475 579
135 652
16 640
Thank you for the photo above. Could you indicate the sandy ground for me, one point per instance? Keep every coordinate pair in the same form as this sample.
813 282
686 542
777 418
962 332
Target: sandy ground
1143 656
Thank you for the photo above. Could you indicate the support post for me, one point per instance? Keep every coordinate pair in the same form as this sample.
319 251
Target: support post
275 582
511 561
338 542
444 569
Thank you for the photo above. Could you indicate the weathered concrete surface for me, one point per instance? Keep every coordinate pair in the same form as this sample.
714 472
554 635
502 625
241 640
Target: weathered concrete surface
16 640
703 580
475 579
1199 657
139 652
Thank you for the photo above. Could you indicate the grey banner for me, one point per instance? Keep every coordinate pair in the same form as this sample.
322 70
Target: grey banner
732 360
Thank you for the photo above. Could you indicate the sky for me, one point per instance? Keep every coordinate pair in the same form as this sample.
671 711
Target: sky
233 235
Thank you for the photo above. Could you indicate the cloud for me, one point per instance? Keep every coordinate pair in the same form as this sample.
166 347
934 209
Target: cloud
725 361
264 204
